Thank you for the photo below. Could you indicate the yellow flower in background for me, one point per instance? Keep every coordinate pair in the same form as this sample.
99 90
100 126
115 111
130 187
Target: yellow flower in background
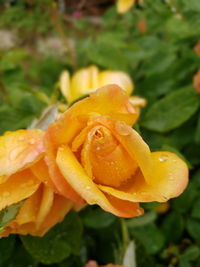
87 80
124 5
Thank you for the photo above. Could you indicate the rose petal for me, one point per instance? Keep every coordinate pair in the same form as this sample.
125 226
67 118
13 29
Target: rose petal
45 205
61 206
109 100
40 170
78 179
19 149
83 81
61 185
170 180
133 143
116 77
19 186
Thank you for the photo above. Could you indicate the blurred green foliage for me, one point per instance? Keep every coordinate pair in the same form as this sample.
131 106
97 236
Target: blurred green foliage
161 60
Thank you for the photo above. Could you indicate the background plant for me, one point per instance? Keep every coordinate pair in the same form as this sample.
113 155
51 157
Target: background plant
153 42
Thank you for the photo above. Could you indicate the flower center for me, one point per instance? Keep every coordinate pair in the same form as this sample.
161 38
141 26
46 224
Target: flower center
111 164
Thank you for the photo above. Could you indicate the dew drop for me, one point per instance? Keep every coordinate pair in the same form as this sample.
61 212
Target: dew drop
88 187
122 128
163 158
32 141
21 138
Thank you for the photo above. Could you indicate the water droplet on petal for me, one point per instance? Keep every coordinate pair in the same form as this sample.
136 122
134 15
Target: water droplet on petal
88 187
163 158
122 128
32 141
21 138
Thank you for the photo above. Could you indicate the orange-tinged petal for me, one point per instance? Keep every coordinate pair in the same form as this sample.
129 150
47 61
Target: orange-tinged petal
169 180
110 164
109 101
19 149
133 144
124 5
29 210
19 186
81 182
61 206
45 205
40 170
171 174
116 77
61 185
39 213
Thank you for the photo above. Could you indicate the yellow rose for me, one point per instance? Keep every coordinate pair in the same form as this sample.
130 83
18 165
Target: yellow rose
86 80
93 150
24 177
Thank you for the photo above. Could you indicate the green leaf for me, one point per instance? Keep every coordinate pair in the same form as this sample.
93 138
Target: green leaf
6 248
191 253
193 228
97 218
20 257
196 209
197 132
171 111
173 226
9 213
150 237
147 218
59 243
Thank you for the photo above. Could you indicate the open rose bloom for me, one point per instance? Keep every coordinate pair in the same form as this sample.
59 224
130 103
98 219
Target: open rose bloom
91 155
24 178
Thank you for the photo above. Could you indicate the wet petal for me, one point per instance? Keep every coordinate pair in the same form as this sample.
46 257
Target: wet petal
78 179
171 174
107 160
109 101
19 149
132 143
19 186
45 205
61 185
169 180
